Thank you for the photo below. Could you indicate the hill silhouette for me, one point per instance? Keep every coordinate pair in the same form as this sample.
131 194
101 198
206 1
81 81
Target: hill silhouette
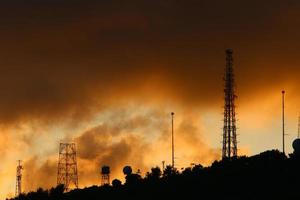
268 175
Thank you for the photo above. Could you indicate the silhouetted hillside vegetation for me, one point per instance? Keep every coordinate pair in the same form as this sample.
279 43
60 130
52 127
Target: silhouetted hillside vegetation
269 175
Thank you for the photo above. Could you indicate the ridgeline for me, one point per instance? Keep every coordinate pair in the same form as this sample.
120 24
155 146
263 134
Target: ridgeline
269 175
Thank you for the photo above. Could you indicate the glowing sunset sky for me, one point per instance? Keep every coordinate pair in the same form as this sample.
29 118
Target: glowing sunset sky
107 74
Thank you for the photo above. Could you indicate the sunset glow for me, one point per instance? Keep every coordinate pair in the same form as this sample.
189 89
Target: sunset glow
108 75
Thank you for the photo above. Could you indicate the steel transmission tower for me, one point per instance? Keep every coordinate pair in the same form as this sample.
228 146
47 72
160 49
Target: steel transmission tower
19 179
229 130
67 166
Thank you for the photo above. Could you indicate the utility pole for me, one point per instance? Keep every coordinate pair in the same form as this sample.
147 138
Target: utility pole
173 153
283 133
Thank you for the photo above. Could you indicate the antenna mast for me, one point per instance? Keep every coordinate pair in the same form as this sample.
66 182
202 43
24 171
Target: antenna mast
19 179
283 134
173 162
229 130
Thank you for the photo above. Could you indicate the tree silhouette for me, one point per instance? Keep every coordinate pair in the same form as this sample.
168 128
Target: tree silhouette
170 172
154 174
256 177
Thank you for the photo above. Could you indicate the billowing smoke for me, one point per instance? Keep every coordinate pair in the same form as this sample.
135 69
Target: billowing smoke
39 173
127 137
107 75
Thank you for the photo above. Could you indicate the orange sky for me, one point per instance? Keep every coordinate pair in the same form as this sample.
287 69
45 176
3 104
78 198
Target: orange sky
108 74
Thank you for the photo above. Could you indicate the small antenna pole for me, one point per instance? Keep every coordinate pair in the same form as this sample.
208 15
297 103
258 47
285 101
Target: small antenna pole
283 134
173 163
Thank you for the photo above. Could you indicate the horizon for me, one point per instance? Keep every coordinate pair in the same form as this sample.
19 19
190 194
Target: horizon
107 75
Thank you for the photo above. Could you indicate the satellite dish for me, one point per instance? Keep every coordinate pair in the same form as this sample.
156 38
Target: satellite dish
296 146
105 170
127 170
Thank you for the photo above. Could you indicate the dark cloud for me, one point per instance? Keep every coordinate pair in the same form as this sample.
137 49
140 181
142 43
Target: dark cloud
64 62
62 58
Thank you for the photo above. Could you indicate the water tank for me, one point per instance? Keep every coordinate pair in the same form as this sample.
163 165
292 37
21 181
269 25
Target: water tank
105 170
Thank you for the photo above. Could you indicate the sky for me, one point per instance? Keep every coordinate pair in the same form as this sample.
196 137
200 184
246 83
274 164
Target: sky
107 75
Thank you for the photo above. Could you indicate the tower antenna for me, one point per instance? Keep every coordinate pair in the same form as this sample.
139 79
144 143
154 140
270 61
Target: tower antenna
173 153
283 133
19 178
229 129
67 166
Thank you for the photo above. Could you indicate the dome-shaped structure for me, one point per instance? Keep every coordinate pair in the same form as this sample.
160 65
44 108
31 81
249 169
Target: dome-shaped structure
127 170
296 146
116 183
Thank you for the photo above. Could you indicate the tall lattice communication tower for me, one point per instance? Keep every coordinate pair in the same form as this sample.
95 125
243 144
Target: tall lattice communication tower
229 130
67 166
19 178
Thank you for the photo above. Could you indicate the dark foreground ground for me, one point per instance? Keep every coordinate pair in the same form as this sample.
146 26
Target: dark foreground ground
269 175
